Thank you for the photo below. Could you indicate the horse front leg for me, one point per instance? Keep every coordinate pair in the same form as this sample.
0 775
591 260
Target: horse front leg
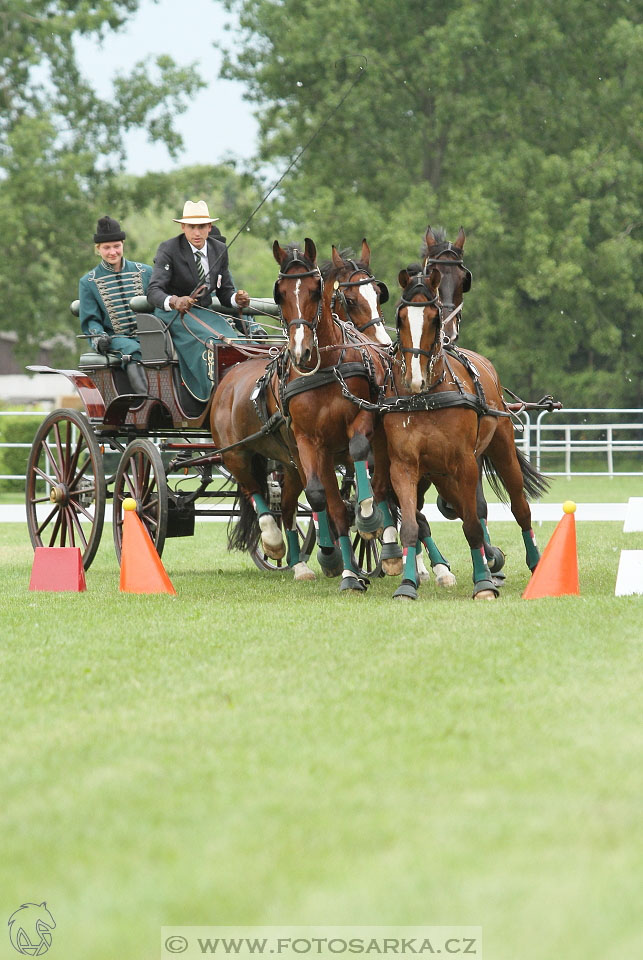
291 489
404 481
368 515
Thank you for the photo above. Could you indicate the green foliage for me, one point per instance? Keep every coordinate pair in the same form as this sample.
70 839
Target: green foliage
61 147
520 121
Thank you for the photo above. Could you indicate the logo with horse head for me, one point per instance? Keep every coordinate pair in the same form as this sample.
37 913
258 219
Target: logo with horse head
30 929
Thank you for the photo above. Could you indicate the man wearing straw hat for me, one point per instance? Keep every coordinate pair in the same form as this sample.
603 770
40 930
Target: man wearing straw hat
188 270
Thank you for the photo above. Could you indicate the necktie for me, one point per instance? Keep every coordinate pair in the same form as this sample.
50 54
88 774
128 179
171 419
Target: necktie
199 267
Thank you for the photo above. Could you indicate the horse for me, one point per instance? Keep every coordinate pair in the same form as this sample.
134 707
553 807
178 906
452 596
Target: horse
324 357
455 281
246 401
442 410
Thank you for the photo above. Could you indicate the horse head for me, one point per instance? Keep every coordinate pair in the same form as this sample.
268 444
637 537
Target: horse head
356 294
419 328
298 294
456 278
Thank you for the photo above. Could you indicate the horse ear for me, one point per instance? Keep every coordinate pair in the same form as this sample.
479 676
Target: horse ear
434 279
461 238
403 279
310 250
278 253
337 260
366 252
429 238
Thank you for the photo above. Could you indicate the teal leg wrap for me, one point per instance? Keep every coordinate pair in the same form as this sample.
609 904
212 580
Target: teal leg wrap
434 554
532 551
410 571
322 529
347 554
260 504
480 567
386 513
292 539
485 532
362 480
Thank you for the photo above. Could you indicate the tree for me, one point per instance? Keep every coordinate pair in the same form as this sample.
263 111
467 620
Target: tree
519 120
61 149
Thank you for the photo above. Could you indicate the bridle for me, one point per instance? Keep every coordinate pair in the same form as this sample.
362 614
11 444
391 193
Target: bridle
338 294
448 254
418 285
299 321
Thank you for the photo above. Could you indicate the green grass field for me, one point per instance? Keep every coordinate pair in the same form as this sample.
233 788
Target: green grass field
255 751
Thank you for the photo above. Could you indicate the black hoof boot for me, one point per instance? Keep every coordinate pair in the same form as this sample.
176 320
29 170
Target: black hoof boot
446 509
354 583
331 562
369 527
406 589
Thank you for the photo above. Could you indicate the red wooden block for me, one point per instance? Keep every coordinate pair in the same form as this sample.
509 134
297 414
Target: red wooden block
58 568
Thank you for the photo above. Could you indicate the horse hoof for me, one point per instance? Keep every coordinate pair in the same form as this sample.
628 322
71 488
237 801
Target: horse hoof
445 580
485 590
406 591
303 572
499 579
393 567
354 584
485 595
276 551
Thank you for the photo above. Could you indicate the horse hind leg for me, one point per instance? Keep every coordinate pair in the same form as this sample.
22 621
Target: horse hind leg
439 564
503 461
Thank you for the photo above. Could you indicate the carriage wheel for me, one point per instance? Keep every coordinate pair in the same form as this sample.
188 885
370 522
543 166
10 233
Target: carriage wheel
65 488
141 475
367 555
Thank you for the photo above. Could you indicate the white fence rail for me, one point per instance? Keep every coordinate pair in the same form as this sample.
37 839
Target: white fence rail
600 431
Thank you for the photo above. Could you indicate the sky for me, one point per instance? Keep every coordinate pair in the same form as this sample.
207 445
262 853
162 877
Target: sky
184 30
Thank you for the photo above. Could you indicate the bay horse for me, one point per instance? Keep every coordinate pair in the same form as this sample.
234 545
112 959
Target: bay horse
328 428
247 399
438 251
444 409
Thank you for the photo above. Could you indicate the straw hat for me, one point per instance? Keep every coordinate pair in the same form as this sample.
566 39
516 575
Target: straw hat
196 212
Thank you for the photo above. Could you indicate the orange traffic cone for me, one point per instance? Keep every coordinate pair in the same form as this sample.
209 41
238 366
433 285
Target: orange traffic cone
58 568
141 567
557 572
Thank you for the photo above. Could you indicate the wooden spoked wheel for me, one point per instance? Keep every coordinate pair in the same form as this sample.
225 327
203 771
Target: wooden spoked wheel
65 485
141 475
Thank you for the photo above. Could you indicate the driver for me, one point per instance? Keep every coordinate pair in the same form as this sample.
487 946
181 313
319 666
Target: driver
188 270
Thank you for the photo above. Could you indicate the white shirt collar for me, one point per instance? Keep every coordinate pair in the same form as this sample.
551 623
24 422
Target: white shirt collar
203 252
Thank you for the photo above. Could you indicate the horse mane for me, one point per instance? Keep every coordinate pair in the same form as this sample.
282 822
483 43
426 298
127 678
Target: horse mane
330 272
294 251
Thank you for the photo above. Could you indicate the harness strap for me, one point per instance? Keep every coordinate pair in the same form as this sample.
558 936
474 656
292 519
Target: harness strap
322 378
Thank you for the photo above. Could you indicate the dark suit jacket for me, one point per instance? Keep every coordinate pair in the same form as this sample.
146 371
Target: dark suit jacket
175 272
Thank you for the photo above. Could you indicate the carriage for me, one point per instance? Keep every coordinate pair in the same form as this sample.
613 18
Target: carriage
155 448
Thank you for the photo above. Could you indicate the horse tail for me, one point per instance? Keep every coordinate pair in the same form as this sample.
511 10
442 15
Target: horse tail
535 484
245 533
